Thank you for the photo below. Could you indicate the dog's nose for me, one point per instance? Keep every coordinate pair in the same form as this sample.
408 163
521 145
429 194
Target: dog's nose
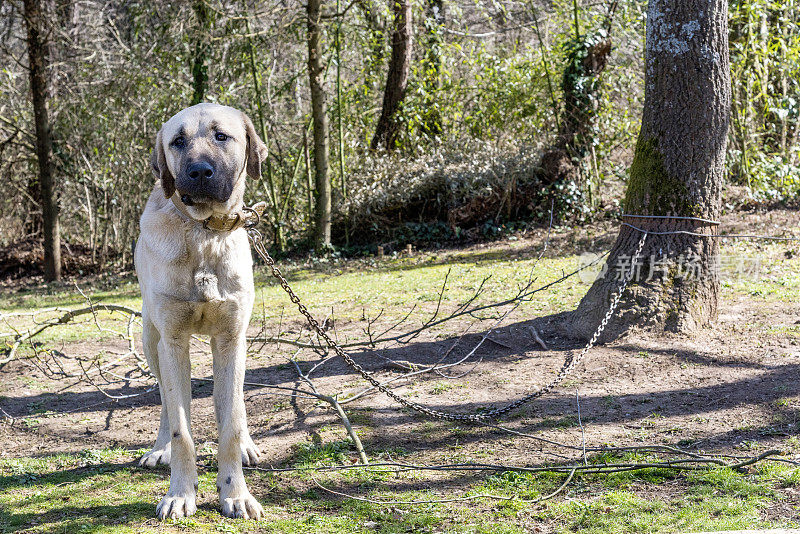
200 171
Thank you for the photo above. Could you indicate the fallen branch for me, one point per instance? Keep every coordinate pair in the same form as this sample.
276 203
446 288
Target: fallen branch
538 339
336 406
706 463
65 317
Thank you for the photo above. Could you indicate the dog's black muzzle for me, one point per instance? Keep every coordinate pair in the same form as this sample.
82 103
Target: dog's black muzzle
200 183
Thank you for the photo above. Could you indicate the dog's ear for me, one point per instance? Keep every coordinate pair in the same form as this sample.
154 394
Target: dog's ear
158 163
257 151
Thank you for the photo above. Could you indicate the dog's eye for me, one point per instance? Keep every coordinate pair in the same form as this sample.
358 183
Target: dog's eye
221 136
179 142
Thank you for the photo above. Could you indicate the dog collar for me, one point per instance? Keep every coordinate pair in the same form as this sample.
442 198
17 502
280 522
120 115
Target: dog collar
243 217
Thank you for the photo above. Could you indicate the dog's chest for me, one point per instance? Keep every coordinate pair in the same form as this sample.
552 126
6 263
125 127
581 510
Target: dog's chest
221 270
217 302
206 287
220 281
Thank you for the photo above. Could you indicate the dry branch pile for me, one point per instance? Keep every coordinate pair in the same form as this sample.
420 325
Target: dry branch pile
446 195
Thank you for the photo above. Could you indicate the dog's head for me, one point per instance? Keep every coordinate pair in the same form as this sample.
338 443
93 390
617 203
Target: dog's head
203 153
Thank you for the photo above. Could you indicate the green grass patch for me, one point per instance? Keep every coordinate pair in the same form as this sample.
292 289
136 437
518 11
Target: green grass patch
355 289
103 491
351 290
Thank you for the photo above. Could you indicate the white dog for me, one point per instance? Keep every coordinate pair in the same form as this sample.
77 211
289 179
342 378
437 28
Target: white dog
195 273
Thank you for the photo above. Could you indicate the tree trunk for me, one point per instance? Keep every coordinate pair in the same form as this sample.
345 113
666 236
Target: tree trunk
322 191
388 126
677 170
342 176
37 57
199 67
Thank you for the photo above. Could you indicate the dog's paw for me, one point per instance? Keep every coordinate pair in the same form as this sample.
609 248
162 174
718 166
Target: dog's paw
176 506
245 507
251 454
157 455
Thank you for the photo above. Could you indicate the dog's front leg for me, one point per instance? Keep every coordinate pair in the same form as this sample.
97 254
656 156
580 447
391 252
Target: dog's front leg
161 450
229 364
173 358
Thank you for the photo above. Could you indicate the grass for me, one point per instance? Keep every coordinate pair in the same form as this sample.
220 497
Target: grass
760 271
102 491
356 289
351 291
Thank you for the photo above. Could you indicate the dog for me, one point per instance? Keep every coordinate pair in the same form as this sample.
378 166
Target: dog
195 273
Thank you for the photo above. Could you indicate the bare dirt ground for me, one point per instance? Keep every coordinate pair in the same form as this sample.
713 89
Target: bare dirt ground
729 389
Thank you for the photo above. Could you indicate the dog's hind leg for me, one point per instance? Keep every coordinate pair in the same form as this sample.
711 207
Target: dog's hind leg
229 358
176 394
160 452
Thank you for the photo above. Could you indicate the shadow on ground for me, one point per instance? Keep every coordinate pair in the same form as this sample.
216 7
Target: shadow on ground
511 346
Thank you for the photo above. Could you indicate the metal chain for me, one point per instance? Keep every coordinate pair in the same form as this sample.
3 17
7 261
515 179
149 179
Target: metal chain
566 369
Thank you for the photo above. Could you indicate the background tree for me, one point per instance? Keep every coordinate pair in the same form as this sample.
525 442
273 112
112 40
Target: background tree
205 19
375 42
388 125
677 170
37 67
322 182
587 55
432 66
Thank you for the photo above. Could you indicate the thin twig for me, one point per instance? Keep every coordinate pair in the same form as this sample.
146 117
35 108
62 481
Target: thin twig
607 468
580 424
453 499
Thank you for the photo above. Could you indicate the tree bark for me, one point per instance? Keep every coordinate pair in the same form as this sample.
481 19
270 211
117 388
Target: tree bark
677 170
388 127
322 191
37 58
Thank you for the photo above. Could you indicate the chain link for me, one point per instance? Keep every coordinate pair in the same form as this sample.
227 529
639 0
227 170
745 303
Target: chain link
569 365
